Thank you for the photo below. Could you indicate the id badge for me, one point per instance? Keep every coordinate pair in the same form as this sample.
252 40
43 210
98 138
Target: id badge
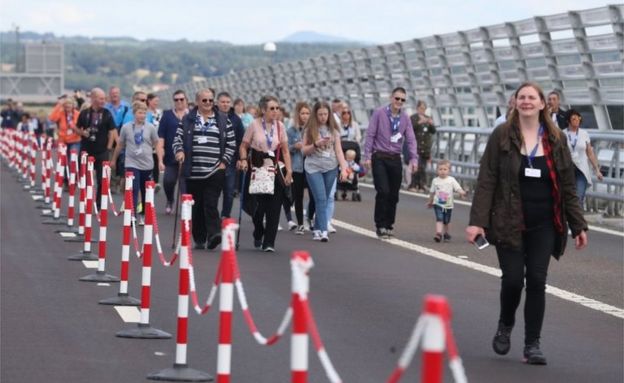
326 153
202 140
138 151
271 153
533 173
70 132
395 138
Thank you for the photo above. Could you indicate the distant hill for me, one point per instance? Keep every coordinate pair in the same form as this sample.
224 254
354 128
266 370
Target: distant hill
153 64
314 37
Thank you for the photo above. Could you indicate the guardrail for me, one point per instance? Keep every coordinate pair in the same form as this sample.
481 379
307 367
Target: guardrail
465 146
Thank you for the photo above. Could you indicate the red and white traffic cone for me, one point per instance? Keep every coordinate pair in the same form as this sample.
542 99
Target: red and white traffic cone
144 330
73 165
301 263
434 339
122 298
226 300
100 275
180 371
85 254
58 190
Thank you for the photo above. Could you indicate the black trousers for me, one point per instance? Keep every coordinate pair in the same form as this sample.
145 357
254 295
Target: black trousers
268 206
97 166
206 192
530 263
387 177
298 189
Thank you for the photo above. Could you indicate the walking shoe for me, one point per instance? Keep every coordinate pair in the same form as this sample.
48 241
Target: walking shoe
168 209
214 241
316 235
447 237
331 228
382 233
291 226
324 236
157 188
268 249
199 246
300 230
533 354
438 237
258 244
310 224
139 208
141 220
279 227
390 233
501 342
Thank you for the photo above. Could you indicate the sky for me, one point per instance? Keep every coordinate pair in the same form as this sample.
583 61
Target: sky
257 22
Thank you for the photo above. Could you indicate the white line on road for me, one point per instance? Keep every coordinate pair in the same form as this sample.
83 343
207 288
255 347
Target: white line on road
103 284
466 203
560 293
129 314
90 264
67 234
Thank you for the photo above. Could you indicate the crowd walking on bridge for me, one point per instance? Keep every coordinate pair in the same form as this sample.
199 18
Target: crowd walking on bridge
530 190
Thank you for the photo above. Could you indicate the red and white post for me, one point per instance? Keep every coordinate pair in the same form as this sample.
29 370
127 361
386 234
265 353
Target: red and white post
226 300
100 275
85 254
300 263
180 371
73 165
61 164
33 161
144 329
122 298
434 339
48 171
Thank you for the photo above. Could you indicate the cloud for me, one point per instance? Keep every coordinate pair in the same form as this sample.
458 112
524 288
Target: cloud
54 14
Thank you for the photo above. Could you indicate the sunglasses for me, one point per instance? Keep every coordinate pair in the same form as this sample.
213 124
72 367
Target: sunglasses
272 108
346 113
399 99
178 99
143 99
207 100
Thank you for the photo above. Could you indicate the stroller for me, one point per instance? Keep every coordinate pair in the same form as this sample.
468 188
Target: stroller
343 188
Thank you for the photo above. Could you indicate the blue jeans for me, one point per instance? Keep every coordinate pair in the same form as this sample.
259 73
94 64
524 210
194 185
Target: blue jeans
331 200
581 185
138 183
228 190
320 184
442 215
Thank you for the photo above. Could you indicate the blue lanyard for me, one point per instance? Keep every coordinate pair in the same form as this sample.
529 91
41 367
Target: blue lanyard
138 137
573 142
394 121
269 136
205 125
531 156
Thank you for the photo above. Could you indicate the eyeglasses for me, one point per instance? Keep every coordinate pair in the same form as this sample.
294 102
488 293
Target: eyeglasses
178 99
143 99
399 99
272 108
346 113
207 100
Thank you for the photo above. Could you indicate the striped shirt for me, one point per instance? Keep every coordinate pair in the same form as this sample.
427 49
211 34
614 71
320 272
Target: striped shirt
206 155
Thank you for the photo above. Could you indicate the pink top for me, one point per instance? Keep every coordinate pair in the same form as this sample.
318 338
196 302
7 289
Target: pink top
256 136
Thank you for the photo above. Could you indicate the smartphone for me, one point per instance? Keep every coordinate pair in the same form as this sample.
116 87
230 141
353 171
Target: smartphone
480 242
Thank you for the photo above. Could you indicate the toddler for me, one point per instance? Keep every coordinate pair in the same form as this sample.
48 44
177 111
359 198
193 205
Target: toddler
441 199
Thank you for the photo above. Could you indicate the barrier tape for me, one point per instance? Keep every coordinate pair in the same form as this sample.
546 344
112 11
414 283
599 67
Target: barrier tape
161 255
328 366
112 207
193 292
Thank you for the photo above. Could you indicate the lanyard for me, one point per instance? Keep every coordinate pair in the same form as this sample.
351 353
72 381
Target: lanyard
203 126
531 156
571 141
394 121
138 137
346 131
69 118
268 135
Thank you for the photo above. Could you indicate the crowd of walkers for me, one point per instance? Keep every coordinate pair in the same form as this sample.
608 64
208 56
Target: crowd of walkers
529 195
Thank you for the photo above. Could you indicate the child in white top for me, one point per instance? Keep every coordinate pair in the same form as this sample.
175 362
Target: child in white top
441 198
353 167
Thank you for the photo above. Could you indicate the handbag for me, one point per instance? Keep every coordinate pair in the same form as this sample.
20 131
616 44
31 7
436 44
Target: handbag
288 195
262 180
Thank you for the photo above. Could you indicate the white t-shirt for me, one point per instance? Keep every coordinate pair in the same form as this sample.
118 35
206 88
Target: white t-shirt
577 143
443 189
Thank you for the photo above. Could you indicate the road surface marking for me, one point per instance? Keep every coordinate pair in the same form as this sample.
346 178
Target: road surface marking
90 264
103 284
67 234
129 314
563 294
466 203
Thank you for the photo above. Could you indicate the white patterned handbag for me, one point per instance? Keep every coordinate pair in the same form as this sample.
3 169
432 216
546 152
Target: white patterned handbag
262 180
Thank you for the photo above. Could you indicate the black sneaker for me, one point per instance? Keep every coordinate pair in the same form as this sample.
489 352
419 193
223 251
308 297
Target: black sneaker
502 343
438 237
215 241
258 244
447 237
382 233
390 233
199 246
268 249
533 354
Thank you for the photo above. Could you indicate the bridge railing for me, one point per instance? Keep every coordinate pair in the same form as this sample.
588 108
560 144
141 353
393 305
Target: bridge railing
465 146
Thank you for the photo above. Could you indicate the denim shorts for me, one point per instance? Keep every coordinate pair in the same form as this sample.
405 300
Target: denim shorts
442 215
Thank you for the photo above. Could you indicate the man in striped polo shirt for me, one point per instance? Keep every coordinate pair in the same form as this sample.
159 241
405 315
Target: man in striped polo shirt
205 144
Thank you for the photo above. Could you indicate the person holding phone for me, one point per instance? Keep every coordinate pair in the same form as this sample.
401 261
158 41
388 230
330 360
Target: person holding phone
524 201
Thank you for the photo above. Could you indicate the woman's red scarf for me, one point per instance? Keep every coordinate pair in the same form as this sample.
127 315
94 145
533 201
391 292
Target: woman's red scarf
555 184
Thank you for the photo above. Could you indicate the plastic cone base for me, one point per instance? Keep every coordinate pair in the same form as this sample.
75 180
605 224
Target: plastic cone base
54 221
80 238
99 276
121 300
144 331
82 256
181 373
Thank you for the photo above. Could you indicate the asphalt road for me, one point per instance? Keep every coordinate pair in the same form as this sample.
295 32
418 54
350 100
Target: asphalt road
366 295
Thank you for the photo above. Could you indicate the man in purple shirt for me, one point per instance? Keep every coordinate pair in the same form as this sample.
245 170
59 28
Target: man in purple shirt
388 129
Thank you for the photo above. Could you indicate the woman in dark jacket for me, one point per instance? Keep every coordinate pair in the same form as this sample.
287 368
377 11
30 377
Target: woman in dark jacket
524 199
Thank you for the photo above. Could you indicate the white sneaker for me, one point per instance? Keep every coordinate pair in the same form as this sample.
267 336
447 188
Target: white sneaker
279 228
324 236
316 235
331 228
141 220
291 225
